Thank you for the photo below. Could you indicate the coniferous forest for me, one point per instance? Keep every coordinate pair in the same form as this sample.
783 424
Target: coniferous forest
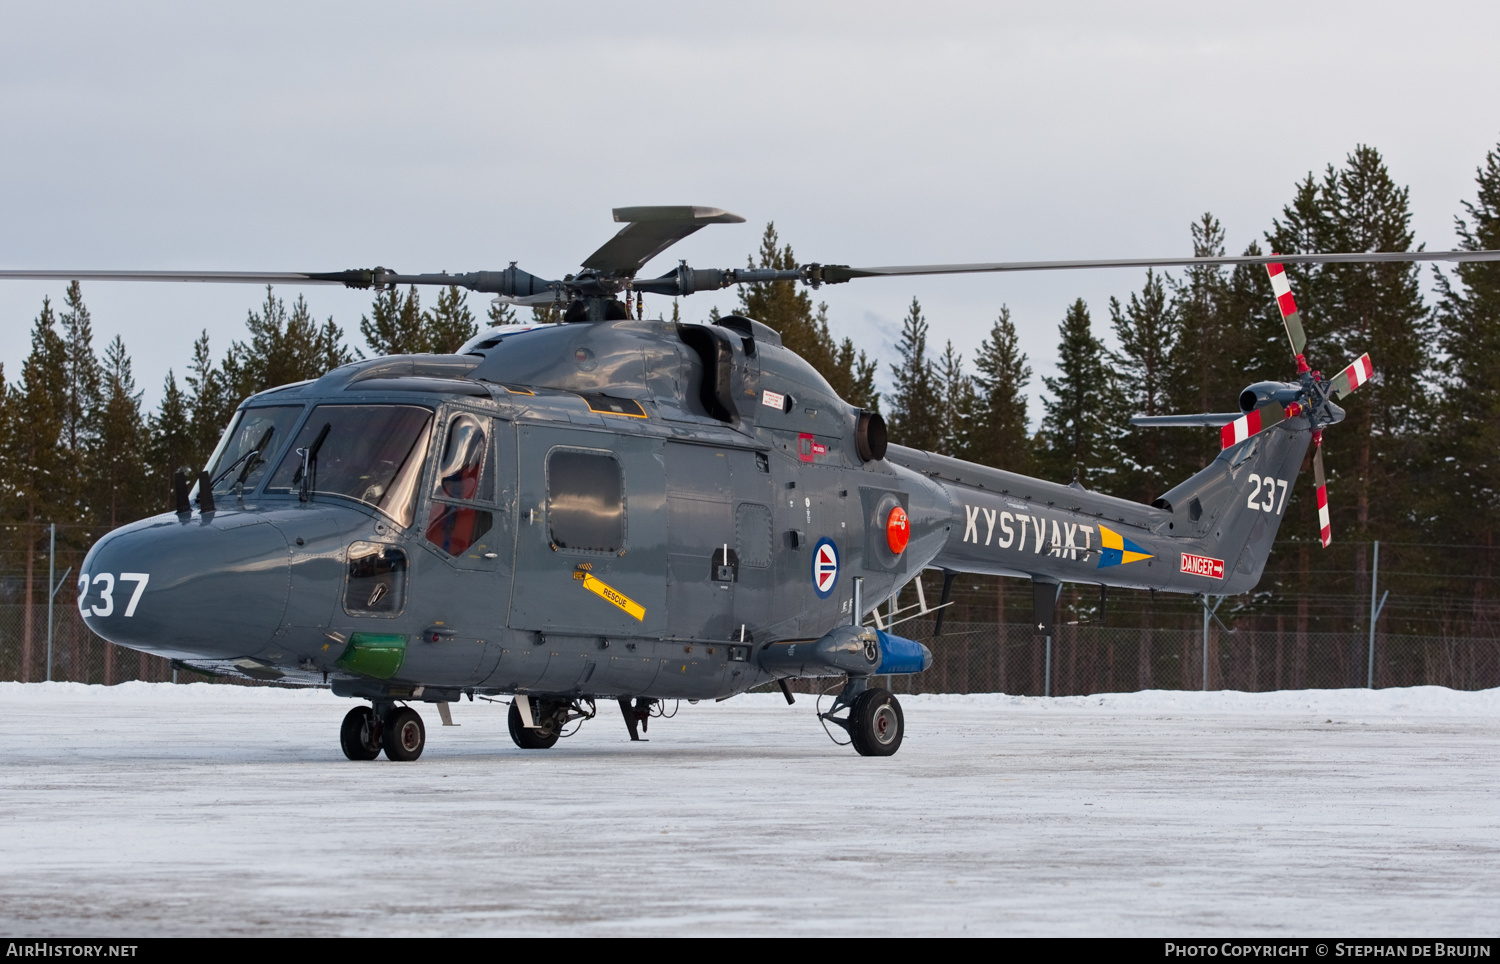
1416 465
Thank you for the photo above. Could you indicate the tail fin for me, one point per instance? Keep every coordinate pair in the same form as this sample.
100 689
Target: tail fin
1231 510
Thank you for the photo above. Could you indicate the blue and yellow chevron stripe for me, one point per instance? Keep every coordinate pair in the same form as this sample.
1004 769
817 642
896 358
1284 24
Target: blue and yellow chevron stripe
1115 549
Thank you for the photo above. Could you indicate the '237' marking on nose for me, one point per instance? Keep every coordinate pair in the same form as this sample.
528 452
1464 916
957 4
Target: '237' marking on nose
106 582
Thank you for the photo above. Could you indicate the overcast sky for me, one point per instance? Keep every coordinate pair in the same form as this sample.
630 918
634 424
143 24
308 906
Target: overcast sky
458 137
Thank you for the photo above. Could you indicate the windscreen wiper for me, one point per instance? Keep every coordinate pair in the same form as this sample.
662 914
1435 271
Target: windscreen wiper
251 459
309 462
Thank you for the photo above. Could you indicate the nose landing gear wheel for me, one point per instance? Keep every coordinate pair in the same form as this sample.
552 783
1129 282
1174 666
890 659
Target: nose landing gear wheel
533 738
359 736
404 735
876 723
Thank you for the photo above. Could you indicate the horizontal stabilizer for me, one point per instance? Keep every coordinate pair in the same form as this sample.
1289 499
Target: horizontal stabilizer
1166 421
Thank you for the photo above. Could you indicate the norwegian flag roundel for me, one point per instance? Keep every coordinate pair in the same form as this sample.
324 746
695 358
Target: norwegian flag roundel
825 567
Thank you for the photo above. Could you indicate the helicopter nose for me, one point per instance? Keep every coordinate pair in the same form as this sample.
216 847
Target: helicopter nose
188 587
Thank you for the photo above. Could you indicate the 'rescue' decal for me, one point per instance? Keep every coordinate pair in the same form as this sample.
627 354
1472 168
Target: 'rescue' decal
1202 566
1027 533
772 399
609 593
825 567
1115 549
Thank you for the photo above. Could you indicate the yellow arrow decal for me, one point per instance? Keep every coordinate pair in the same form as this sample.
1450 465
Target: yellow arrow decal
614 595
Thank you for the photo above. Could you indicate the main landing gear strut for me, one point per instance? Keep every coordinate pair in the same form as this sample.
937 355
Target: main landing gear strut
397 730
537 724
874 720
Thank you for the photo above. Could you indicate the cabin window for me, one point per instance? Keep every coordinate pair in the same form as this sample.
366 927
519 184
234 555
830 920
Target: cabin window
370 453
585 501
463 475
376 584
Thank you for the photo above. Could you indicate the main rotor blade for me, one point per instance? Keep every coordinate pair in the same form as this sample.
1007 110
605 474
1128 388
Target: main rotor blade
835 273
512 282
223 277
1346 381
650 231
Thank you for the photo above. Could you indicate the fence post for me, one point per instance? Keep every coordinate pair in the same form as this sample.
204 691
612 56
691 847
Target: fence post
1374 615
51 592
1205 644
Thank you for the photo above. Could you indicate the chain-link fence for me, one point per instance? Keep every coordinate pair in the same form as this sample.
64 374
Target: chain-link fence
1091 659
1271 647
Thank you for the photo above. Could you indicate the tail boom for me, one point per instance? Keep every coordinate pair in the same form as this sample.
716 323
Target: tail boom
1211 534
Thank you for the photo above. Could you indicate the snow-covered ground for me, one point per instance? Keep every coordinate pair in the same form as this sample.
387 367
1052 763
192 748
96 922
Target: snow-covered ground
147 809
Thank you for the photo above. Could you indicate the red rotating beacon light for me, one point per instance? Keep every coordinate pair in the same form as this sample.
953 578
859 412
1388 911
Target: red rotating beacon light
897 532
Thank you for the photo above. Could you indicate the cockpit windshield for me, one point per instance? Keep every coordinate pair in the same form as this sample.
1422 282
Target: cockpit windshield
246 449
371 453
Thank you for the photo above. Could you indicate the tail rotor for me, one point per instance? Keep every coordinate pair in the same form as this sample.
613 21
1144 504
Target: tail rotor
1317 397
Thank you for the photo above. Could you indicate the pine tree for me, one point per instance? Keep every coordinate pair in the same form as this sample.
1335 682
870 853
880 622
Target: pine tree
117 467
172 444
958 404
1348 309
853 373
501 314
1468 314
329 350
860 391
80 370
284 347
42 472
1146 329
1079 428
1201 366
1001 433
209 404
394 325
451 323
784 307
1263 352
916 402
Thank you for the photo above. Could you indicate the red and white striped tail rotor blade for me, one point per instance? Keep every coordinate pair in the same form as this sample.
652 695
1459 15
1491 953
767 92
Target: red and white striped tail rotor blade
1289 315
1352 377
1247 425
1320 484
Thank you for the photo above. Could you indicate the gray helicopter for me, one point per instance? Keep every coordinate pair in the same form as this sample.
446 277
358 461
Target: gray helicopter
614 507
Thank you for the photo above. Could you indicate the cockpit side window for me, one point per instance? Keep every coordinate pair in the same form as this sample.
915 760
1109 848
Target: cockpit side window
463 472
464 475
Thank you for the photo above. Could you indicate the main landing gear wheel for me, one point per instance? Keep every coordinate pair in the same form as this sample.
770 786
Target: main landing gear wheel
534 738
404 735
876 723
359 736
